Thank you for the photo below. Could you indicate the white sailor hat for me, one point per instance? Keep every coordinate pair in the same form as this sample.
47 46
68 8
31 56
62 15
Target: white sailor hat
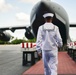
48 15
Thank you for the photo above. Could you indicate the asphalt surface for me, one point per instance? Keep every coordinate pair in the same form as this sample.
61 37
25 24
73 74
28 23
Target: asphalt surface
11 60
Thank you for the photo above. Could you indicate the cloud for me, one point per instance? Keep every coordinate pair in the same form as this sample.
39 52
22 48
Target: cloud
5 6
30 1
22 17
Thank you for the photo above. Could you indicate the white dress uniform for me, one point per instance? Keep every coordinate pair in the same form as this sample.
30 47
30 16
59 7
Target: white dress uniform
48 41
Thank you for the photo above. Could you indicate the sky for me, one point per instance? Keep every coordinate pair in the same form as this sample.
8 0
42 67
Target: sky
17 13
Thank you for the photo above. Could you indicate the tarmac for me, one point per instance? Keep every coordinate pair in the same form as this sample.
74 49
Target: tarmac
11 63
11 60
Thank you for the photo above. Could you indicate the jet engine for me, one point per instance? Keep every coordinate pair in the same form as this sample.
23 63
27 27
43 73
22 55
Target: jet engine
28 33
4 36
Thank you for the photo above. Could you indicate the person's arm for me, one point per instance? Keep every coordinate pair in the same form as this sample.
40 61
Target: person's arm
58 38
39 42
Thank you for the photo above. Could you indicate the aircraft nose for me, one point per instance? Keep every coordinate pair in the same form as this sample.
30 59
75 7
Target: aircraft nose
43 3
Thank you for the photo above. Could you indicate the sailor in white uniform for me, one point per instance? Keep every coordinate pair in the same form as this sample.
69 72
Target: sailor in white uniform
48 41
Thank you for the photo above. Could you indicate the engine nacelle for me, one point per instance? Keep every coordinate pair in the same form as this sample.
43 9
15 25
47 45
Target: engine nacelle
4 36
29 34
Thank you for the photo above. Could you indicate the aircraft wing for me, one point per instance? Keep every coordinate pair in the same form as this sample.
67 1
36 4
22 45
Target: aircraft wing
14 28
3 34
72 25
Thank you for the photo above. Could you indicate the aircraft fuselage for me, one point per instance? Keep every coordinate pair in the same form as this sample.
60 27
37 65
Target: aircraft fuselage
60 18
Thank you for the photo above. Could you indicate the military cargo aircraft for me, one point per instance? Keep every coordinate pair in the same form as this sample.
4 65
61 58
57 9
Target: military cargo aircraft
44 6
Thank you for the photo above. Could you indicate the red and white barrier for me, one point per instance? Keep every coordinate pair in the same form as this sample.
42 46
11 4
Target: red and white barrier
72 45
22 44
28 45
